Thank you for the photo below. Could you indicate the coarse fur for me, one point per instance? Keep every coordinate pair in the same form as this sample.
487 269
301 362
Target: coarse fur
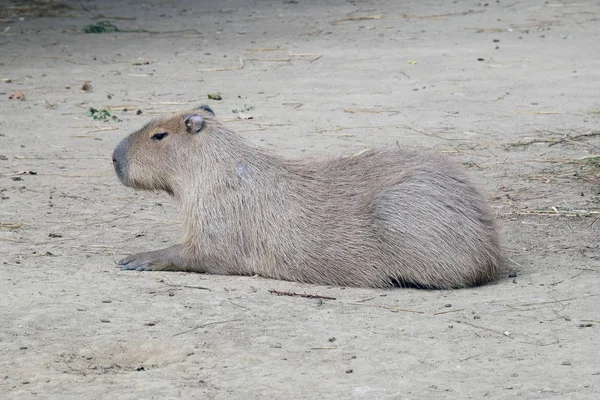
379 218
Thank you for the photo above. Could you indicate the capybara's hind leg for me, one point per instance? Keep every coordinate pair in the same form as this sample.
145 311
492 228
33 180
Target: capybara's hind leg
174 258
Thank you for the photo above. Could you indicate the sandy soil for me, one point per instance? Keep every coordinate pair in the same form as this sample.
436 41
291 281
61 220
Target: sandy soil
507 88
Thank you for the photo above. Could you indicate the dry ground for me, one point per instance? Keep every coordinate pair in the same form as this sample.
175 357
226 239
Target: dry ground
507 88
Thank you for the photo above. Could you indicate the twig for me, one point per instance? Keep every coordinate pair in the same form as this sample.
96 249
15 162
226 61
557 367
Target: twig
259 49
293 294
184 286
505 334
270 59
551 302
556 212
355 18
102 16
514 262
391 308
11 240
205 325
439 16
448 312
77 371
571 138
10 225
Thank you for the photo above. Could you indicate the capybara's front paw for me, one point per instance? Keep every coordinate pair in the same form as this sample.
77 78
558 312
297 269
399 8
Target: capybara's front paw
147 261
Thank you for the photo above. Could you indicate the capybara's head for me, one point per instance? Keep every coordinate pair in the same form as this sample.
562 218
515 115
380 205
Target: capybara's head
154 157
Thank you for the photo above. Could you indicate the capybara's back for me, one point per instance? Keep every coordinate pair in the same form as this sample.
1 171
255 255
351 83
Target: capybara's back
401 218
379 218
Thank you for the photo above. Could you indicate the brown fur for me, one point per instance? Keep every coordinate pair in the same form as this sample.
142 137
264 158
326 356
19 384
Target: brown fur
380 218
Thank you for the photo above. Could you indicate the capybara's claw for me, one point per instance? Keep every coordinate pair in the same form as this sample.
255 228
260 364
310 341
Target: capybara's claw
136 262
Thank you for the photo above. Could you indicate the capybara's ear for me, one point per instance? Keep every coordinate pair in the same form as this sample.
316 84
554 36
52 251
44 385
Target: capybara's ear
193 122
206 108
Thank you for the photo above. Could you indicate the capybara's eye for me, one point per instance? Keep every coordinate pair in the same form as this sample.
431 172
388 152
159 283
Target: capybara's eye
159 136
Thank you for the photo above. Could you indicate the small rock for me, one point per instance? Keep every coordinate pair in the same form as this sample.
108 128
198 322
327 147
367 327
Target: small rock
140 368
17 95
512 274
565 363
149 323
23 348
107 301
480 59
332 339
349 371
54 235
106 321
447 305
138 112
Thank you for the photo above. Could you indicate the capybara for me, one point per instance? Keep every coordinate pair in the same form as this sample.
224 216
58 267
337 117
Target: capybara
379 218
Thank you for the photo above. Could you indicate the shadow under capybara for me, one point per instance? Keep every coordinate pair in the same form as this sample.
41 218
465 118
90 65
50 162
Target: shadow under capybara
378 218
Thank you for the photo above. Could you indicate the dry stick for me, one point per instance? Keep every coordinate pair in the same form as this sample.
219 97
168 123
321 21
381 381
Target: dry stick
355 18
590 320
270 59
10 225
391 308
438 16
569 138
205 325
571 213
100 16
482 327
11 240
308 296
448 312
428 133
551 302
187 286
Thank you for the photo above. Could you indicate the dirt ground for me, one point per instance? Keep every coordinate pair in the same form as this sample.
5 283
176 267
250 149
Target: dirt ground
507 88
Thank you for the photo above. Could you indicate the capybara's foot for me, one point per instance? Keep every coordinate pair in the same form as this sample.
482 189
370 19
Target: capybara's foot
170 259
146 261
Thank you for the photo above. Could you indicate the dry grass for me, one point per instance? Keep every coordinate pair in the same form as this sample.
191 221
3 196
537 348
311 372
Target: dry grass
35 8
